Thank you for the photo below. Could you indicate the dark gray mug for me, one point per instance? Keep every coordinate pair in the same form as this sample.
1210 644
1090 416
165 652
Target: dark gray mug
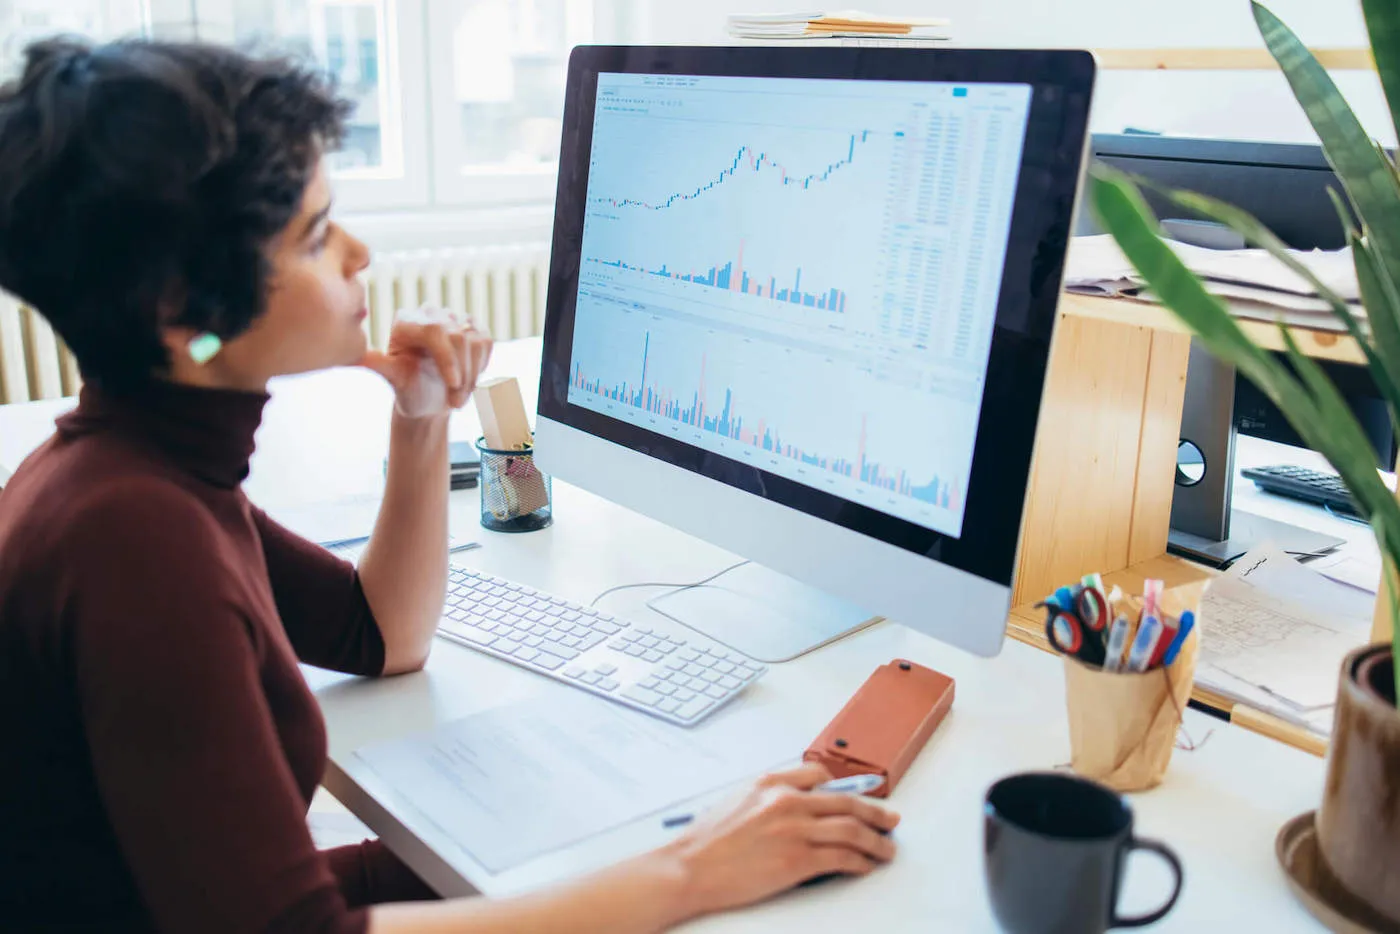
1055 850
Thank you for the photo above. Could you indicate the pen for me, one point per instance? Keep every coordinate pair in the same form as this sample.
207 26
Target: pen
851 784
1147 635
1117 639
1188 621
1170 627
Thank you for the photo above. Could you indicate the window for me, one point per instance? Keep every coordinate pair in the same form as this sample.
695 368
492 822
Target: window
24 21
498 73
486 133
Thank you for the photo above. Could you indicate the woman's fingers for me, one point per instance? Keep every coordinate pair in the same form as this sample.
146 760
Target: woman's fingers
461 351
867 812
852 834
840 859
805 777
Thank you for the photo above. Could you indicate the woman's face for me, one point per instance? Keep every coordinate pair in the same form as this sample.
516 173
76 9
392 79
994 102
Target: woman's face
315 305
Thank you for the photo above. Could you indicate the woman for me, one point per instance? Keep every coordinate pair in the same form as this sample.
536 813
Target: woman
166 208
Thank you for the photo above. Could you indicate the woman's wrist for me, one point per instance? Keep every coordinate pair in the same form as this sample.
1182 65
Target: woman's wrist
682 892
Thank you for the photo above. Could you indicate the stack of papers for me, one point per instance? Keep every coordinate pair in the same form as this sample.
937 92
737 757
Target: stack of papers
844 23
1255 283
1274 633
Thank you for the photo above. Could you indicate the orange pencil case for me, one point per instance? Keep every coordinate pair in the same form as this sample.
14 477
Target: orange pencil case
884 724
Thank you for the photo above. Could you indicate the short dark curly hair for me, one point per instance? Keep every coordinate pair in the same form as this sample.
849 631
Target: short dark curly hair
141 184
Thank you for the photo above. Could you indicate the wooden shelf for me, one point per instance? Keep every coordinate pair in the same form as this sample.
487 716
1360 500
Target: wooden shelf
1323 345
1250 59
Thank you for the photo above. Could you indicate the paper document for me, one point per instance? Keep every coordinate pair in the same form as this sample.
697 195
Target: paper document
1255 283
332 522
1281 628
526 779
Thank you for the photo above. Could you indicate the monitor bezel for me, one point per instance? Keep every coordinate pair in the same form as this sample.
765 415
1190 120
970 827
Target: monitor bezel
1051 169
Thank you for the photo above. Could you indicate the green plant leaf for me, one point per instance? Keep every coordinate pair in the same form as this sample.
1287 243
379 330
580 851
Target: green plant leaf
1382 309
1340 438
1365 172
1343 214
1383 26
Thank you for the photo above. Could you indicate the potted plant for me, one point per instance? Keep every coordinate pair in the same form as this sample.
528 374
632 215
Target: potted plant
1358 823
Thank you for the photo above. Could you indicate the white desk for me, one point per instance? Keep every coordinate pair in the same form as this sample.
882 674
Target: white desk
1219 807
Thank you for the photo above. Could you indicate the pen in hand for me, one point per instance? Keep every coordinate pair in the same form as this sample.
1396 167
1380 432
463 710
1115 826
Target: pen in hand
851 784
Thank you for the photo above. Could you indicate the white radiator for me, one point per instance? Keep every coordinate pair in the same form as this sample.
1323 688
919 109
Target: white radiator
502 288
34 363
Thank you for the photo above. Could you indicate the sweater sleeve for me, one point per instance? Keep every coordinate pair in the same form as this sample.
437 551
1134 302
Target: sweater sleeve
183 746
321 602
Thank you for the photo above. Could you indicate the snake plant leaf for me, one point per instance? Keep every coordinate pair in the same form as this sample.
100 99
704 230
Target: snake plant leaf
1367 175
1382 308
1383 26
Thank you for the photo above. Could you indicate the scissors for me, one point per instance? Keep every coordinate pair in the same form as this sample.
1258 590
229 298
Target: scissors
1075 622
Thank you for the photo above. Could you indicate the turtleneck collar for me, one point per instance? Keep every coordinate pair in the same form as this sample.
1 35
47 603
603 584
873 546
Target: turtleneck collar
205 432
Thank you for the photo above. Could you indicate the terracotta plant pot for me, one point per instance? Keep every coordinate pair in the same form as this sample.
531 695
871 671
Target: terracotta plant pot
1358 825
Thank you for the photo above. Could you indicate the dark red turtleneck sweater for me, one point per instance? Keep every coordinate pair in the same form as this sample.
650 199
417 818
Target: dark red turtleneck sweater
158 745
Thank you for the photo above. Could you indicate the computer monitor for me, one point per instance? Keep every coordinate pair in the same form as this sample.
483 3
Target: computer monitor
800 305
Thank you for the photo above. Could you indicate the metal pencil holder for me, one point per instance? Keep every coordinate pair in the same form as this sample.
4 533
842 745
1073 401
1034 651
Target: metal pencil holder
515 494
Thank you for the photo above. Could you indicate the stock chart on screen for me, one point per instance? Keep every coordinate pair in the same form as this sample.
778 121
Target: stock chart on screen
800 274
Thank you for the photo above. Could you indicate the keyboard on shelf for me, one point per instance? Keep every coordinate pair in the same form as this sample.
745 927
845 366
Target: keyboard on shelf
672 674
1302 483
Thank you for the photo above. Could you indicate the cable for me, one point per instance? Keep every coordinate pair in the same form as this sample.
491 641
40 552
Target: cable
687 586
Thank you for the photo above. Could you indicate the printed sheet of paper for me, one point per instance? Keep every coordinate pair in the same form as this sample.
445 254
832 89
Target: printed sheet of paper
1280 626
518 781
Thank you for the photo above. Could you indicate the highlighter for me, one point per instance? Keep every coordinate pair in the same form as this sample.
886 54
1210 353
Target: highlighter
1145 643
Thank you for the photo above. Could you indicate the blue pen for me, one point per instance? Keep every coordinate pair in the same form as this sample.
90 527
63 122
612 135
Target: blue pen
851 784
1188 621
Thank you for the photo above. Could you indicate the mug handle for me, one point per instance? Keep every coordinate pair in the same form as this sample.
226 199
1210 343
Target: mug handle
1162 850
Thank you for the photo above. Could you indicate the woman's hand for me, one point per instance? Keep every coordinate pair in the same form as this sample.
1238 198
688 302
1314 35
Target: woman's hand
781 834
433 361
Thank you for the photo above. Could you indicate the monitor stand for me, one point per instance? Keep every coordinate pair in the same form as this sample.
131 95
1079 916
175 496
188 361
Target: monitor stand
766 615
1203 527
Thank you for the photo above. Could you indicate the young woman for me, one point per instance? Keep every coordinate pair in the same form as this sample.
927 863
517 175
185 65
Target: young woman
165 207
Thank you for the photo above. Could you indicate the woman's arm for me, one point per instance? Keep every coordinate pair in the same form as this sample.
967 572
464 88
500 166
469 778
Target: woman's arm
432 363
781 834
404 567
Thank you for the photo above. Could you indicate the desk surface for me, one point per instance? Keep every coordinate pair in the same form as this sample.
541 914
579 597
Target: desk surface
1220 805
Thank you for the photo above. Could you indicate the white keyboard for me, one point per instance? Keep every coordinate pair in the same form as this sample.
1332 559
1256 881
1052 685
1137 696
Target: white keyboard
679 678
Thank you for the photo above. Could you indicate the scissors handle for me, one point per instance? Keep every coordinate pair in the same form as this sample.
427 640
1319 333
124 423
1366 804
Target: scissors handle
1071 637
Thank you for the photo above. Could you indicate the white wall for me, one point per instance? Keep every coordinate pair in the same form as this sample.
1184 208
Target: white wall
1223 104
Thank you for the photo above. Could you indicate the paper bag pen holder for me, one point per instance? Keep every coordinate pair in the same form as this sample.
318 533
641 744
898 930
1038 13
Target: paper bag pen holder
1123 725
515 493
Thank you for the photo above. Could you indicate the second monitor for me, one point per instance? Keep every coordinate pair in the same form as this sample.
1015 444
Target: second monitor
800 305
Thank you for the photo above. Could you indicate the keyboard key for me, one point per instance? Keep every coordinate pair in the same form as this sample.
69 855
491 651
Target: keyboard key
609 684
548 661
705 661
666 648
507 646
590 640
470 633
729 683
689 655
724 668
525 653
573 616
556 611
631 636
684 695
745 672
618 644
590 677
676 664
698 684
573 671
533 641
694 708
535 616
644 630
712 676
693 670
649 642
635 650
717 692
606 669
571 641
642 695
664 688
668 705
651 655
563 651
606 627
